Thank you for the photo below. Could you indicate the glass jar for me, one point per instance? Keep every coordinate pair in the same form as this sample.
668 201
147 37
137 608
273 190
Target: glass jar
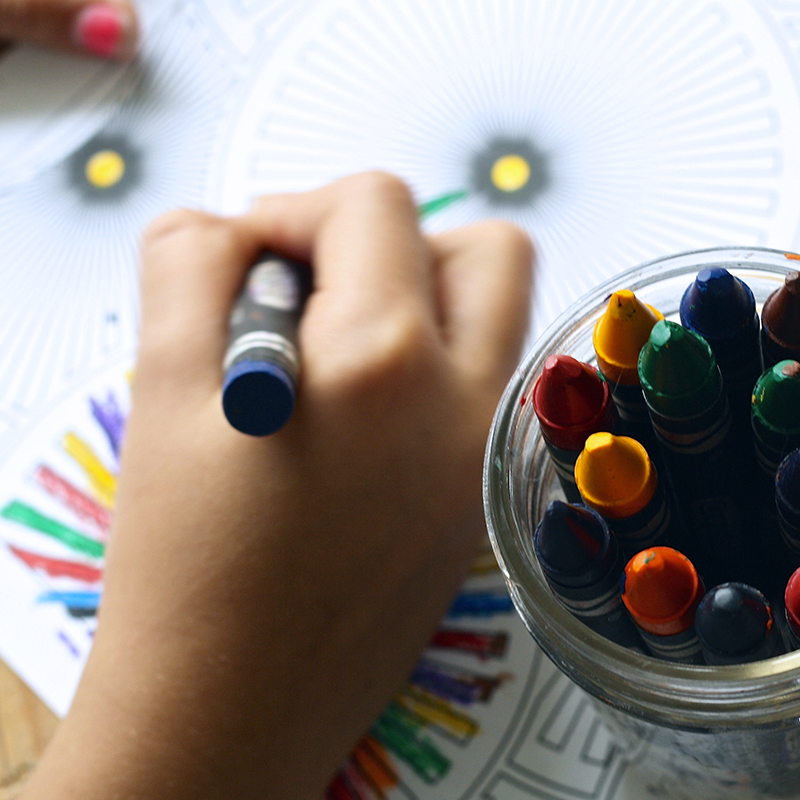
714 732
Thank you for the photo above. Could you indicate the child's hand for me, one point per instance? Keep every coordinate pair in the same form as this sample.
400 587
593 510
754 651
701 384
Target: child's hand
265 597
107 28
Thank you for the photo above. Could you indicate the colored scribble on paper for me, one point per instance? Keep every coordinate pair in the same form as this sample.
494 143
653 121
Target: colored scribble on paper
59 532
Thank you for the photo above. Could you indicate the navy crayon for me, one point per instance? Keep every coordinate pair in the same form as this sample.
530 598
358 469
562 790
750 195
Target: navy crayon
261 362
709 468
722 309
780 323
787 502
735 625
582 562
571 401
661 589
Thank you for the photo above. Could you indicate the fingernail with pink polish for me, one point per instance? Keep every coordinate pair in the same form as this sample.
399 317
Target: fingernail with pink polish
105 30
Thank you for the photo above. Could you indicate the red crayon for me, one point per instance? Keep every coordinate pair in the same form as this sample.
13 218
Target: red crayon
780 323
571 401
791 604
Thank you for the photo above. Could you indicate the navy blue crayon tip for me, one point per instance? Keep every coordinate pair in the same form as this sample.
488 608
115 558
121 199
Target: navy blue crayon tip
572 543
717 305
734 620
257 397
787 480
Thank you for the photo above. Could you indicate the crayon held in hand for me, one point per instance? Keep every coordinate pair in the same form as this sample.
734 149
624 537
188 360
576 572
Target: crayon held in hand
661 589
735 625
582 563
780 323
572 402
722 309
261 363
616 478
618 338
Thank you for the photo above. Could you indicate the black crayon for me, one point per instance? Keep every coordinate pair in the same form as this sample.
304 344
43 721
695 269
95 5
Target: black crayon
735 625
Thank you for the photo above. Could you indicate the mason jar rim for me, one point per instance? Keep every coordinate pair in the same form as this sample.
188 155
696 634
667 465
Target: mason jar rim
676 695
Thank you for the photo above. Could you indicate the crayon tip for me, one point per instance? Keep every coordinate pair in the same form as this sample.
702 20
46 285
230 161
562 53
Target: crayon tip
791 601
661 590
734 621
787 480
620 334
678 371
570 541
718 305
781 313
776 398
615 475
569 396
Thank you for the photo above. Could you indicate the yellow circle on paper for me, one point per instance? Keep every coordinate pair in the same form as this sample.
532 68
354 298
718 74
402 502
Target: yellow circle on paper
510 173
105 169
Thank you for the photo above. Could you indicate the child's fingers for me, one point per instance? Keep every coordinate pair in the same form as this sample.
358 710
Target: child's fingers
372 274
362 235
485 275
107 29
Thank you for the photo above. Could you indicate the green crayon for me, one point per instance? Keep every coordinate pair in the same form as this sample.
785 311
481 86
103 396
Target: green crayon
706 464
776 415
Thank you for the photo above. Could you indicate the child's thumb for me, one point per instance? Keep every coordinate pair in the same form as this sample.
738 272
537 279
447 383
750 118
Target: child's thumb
107 29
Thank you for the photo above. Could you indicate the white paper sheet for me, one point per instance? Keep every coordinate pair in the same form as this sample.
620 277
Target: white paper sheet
648 127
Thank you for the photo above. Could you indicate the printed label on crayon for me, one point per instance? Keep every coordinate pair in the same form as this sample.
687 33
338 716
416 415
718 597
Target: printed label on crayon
271 283
682 647
255 341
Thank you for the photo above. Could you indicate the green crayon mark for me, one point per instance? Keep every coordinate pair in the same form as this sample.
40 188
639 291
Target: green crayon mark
431 207
31 518
398 731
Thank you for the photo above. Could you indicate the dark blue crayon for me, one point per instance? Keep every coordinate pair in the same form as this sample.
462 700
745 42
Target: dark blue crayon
708 464
735 625
583 565
787 502
261 363
722 309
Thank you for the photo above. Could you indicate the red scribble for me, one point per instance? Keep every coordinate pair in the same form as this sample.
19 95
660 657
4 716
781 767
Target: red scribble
484 645
58 568
72 497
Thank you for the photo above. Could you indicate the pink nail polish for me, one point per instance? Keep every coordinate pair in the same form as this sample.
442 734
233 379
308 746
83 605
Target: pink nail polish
103 30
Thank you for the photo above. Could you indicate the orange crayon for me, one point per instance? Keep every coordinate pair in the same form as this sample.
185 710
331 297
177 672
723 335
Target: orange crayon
661 590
